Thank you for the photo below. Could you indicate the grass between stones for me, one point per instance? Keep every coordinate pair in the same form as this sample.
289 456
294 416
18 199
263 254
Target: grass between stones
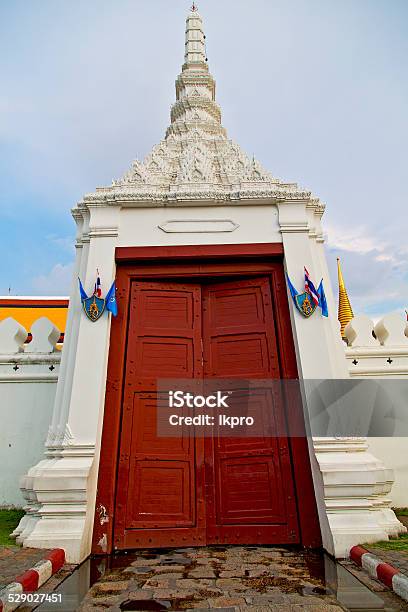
395 544
400 543
9 519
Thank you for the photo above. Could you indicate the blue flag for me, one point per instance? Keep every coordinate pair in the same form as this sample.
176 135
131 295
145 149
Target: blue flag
293 291
322 300
111 304
82 291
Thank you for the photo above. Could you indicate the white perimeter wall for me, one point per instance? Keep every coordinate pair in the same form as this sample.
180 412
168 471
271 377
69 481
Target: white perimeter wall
28 382
381 351
25 415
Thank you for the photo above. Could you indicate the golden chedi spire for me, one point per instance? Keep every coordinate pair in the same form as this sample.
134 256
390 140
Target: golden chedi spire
345 310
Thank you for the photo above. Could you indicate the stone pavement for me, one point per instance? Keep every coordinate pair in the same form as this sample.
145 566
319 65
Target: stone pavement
15 560
240 578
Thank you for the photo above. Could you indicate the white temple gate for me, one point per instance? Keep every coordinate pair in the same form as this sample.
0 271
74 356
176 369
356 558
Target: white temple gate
195 188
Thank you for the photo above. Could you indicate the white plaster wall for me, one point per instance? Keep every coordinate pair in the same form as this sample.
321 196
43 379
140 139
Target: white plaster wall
138 226
25 415
394 453
384 355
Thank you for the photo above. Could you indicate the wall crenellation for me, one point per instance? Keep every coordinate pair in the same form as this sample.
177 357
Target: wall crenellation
16 346
379 349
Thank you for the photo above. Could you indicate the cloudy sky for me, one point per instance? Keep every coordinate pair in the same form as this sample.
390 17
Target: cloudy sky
316 89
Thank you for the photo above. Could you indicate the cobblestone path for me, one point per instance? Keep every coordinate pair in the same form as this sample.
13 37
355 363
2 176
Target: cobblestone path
234 579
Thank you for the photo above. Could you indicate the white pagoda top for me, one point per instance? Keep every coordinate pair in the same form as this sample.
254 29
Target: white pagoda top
196 161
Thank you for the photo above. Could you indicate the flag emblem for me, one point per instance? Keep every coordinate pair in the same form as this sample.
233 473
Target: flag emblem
305 304
95 305
310 299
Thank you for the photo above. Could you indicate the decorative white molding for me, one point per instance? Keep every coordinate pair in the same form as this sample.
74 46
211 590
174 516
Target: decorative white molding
294 228
356 489
51 436
68 438
103 232
30 358
198 226
57 492
379 371
77 214
29 377
214 195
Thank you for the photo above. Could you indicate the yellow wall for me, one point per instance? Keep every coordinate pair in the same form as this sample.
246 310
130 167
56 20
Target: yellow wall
27 315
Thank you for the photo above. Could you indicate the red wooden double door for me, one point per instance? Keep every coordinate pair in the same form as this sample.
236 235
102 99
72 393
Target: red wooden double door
189 490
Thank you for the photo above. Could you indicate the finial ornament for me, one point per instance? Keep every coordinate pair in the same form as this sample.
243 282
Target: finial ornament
345 311
194 8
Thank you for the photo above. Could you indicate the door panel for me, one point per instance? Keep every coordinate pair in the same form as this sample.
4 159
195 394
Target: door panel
159 493
249 486
164 487
188 491
239 332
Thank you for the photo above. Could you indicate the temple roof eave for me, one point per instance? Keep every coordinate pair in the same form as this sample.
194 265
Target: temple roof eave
199 196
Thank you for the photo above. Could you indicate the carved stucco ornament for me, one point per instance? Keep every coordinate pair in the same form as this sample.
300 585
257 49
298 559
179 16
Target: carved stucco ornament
198 226
196 161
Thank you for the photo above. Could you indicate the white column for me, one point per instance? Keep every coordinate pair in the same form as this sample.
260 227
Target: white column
64 434
322 272
28 522
355 484
54 432
319 355
65 487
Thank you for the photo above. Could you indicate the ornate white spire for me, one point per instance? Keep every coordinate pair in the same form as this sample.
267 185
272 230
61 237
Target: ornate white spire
195 105
195 38
196 161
